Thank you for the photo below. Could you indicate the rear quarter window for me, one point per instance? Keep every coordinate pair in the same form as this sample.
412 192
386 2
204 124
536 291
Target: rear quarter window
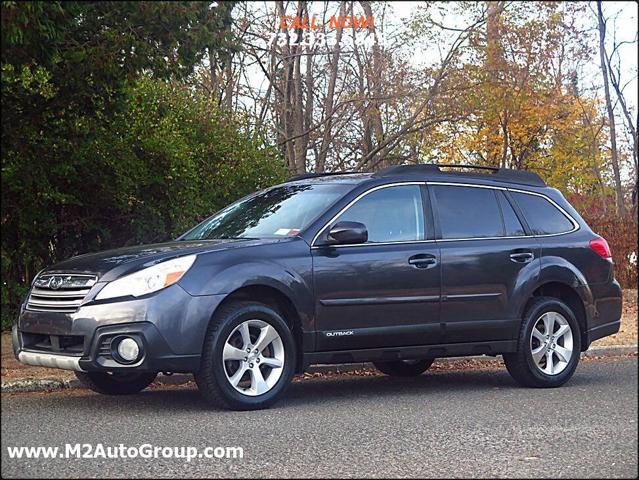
542 216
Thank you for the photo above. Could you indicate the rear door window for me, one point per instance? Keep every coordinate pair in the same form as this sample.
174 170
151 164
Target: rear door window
468 212
542 216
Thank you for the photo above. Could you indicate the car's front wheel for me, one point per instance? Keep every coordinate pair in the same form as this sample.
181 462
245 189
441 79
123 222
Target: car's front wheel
404 368
549 345
116 383
248 358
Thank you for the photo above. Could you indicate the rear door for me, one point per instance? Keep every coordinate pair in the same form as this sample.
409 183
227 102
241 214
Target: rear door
486 254
385 292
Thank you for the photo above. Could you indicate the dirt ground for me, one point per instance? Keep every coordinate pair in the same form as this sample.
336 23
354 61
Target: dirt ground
12 370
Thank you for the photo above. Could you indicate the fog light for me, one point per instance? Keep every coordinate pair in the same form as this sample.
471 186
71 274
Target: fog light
128 349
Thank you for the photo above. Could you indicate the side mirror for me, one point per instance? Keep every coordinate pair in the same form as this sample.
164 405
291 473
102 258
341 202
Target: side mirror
347 233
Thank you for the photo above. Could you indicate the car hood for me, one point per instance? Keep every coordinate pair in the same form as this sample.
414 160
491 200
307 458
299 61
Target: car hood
129 259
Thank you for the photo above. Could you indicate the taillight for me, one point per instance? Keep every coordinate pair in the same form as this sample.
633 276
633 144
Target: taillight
600 246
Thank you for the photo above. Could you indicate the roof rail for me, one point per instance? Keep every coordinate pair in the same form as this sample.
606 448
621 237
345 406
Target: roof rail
523 177
304 176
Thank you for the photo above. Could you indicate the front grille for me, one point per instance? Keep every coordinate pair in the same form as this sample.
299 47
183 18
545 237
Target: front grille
64 344
59 292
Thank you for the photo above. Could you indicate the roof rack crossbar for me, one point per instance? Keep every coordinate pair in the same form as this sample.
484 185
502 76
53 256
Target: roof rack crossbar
523 177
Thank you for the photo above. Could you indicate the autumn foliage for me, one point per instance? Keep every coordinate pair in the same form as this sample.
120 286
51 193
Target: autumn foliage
621 235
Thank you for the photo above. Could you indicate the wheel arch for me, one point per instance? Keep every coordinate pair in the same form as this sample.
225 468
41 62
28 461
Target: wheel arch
281 302
568 294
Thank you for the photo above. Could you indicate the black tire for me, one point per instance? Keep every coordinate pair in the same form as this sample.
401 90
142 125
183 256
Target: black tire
404 368
117 383
521 365
211 378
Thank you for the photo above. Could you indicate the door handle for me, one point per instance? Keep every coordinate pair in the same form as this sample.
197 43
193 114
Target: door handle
522 257
422 260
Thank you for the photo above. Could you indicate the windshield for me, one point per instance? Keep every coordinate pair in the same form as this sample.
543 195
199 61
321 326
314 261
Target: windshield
276 212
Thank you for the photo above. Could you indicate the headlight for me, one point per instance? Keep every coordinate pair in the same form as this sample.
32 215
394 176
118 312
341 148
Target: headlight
36 277
148 280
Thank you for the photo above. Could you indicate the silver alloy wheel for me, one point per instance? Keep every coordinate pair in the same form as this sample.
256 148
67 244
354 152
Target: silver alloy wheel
253 357
551 343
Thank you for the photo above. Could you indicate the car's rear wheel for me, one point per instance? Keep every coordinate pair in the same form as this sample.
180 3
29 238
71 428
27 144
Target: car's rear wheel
248 358
548 347
404 368
116 383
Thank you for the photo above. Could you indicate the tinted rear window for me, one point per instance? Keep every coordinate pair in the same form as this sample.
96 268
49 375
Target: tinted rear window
466 212
542 216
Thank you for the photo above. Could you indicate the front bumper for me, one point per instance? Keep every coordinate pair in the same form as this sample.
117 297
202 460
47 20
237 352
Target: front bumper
156 355
169 326
64 362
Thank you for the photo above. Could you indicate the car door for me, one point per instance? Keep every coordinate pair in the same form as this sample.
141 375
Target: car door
384 292
486 255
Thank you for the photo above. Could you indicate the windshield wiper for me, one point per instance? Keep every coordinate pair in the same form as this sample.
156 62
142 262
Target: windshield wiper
234 238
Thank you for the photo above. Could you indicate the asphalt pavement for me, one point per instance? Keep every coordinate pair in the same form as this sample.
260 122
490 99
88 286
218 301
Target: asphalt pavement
466 423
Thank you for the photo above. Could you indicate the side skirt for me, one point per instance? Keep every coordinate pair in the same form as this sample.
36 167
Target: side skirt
407 353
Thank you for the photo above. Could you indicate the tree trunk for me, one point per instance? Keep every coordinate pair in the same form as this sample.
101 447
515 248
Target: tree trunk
291 114
621 208
496 153
632 127
373 115
330 101
213 72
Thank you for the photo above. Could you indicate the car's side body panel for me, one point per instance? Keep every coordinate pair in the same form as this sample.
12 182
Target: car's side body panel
371 296
482 286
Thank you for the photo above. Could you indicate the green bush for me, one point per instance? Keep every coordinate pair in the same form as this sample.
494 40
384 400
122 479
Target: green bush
165 160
